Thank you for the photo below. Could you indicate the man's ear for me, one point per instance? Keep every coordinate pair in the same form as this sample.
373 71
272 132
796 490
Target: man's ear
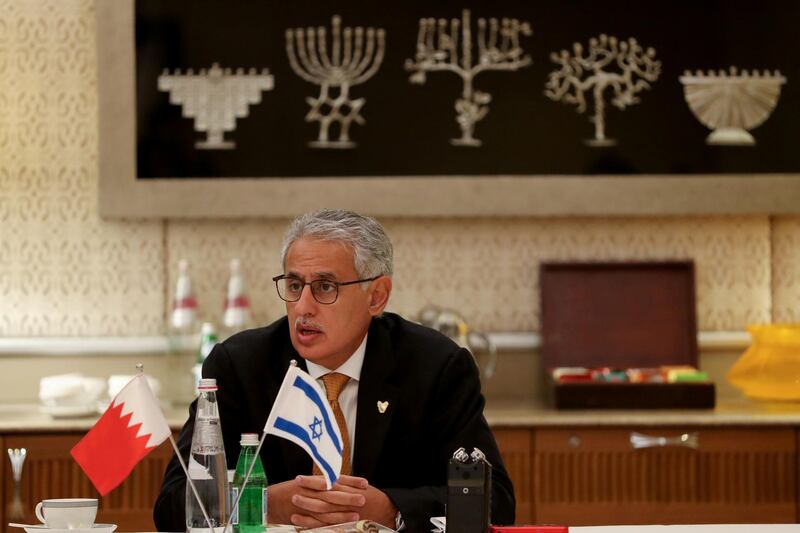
379 297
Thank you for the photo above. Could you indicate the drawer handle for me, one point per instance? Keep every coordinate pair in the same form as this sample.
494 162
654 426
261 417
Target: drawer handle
685 440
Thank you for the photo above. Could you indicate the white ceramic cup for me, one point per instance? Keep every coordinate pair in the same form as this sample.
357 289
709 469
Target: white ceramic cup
67 513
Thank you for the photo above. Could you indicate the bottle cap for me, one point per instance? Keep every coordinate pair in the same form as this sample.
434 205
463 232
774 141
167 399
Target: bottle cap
207 384
208 329
249 439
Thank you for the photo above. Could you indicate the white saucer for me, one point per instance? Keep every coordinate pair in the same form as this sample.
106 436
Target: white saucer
96 528
69 411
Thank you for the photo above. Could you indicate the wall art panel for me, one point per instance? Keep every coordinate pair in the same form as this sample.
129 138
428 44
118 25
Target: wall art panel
504 108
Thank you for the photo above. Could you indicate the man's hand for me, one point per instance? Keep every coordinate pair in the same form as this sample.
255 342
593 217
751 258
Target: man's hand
377 505
279 498
350 499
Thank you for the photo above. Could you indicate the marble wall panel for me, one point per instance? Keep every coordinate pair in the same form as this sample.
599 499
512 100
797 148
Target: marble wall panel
786 269
488 268
63 271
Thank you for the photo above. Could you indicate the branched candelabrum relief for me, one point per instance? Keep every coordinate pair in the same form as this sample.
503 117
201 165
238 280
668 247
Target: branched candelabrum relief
623 66
215 99
355 56
438 50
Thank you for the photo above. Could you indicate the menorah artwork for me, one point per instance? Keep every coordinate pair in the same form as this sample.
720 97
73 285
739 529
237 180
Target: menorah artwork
355 56
624 67
438 46
730 103
215 99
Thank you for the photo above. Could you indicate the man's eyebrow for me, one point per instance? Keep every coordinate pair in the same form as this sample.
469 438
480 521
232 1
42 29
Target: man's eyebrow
314 275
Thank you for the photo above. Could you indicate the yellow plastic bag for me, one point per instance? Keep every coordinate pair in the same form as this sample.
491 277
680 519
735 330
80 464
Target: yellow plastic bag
770 368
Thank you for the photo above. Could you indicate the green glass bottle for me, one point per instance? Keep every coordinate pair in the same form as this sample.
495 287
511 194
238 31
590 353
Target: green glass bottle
251 515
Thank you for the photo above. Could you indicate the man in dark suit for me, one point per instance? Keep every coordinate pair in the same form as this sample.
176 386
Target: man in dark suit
410 397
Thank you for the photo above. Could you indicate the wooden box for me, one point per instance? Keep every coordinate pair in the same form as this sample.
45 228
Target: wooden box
621 315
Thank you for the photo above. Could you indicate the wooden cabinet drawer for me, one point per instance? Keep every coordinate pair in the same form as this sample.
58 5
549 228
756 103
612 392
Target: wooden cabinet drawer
596 476
516 448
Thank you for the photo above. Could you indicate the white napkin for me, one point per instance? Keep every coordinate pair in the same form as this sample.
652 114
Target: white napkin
70 390
440 522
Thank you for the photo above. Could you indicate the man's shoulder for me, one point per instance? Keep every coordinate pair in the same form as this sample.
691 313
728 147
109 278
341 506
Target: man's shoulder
410 336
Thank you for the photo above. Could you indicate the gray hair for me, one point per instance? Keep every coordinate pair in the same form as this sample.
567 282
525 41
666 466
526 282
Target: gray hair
372 249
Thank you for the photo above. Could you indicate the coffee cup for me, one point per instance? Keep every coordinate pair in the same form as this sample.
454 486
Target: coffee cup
67 513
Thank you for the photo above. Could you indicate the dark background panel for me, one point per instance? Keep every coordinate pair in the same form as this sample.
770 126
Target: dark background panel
408 127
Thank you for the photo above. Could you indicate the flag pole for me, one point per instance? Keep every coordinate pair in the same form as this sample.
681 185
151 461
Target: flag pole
140 370
244 482
250 470
141 375
191 484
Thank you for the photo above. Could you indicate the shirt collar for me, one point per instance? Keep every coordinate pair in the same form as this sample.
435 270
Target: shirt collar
350 368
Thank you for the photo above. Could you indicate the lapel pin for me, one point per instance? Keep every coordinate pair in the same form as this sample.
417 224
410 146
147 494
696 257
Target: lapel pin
382 406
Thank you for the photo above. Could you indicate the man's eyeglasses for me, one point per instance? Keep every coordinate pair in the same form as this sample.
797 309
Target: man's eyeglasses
325 291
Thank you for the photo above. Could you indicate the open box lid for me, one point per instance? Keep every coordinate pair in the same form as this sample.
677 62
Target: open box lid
624 314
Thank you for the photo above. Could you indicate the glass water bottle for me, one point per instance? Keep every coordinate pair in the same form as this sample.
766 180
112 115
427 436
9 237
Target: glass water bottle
207 465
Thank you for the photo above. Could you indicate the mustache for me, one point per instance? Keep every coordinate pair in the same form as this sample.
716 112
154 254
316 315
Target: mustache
307 323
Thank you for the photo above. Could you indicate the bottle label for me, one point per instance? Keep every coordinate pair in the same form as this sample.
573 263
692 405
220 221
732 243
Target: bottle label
264 507
234 511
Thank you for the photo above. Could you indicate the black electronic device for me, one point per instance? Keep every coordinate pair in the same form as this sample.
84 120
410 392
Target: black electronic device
469 492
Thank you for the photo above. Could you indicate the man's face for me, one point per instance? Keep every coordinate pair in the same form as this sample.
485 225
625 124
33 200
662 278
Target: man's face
326 334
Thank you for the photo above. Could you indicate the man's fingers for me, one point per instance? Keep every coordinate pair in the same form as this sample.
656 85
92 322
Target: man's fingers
315 505
334 499
323 519
311 482
352 482
305 521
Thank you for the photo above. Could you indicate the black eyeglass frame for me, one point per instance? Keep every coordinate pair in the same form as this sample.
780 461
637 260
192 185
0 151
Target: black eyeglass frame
338 284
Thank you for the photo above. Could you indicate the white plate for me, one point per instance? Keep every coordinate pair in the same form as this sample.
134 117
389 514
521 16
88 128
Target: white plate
96 528
69 411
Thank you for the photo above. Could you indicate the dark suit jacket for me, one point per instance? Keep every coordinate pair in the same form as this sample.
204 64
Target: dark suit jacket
435 406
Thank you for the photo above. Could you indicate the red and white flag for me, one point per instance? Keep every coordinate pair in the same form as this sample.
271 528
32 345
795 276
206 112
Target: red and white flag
132 426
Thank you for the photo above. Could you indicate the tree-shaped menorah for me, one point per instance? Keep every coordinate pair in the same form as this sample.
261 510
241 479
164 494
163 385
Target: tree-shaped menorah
355 56
623 66
215 99
438 51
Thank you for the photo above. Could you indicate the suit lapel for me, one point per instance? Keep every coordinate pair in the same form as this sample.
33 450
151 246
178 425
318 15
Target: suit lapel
373 387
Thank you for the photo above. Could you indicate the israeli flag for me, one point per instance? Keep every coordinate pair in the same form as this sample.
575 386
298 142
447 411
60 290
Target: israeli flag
302 414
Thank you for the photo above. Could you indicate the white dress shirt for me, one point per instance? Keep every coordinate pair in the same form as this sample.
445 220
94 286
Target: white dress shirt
348 398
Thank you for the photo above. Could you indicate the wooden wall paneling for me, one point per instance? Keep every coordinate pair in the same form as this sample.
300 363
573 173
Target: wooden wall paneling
594 476
50 472
516 448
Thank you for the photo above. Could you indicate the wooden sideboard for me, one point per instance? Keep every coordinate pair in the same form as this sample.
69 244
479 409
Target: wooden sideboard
591 476
575 475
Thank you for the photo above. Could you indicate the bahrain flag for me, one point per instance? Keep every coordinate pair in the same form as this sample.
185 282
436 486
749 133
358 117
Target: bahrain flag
132 426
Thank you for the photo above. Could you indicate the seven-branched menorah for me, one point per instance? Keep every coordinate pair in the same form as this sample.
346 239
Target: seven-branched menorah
215 99
355 56
438 50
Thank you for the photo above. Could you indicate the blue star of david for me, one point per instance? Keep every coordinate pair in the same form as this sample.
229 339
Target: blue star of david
316 428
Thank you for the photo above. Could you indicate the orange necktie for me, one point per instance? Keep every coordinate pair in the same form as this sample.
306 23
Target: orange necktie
334 383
